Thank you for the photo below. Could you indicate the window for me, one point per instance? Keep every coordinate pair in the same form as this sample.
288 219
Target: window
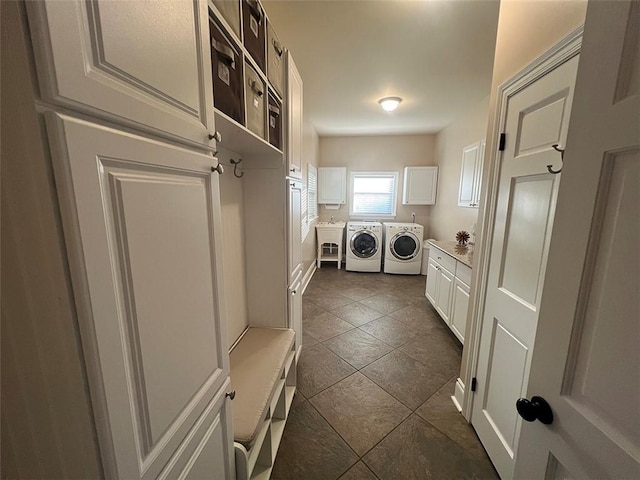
373 194
309 201
312 193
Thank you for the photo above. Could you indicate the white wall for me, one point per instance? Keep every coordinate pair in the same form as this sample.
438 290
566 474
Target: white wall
447 217
379 153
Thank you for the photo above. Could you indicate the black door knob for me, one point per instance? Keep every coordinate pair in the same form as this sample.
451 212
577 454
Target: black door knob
535 409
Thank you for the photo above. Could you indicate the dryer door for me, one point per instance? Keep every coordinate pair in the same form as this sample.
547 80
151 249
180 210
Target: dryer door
404 246
364 244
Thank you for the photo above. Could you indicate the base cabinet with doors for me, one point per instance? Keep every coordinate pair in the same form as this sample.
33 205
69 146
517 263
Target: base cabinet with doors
448 282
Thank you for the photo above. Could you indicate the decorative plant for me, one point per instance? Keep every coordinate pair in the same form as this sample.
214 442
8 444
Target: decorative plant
463 237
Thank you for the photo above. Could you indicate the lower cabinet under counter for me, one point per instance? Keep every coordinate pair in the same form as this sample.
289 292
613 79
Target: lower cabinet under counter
447 289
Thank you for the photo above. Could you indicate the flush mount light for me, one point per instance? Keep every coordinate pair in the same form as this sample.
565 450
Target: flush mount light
389 103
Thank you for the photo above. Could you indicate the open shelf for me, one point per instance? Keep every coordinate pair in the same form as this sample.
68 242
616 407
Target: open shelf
239 140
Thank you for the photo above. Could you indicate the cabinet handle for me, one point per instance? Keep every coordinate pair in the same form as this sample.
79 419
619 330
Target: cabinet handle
231 394
218 168
215 136
293 292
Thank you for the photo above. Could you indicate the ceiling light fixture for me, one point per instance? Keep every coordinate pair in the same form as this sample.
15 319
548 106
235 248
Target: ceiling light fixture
389 103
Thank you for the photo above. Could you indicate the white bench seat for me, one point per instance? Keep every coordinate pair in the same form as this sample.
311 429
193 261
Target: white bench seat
257 363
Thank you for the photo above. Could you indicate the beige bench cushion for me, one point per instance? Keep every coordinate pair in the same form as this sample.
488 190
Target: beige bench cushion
257 362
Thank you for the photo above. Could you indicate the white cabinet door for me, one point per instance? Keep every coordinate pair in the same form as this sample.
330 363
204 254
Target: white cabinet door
146 64
459 308
471 175
142 226
332 185
431 291
294 119
295 310
420 185
445 290
295 228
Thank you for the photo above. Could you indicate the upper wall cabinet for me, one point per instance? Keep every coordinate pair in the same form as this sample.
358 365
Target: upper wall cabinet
332 185
294 119
143 64
420 184
471 175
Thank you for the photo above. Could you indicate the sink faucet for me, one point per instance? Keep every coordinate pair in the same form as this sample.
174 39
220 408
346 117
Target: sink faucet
331 221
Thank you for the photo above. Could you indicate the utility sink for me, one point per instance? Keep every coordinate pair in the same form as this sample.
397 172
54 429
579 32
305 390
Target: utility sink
330 242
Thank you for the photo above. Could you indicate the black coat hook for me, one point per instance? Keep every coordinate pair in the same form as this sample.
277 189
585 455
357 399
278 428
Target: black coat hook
235 164
557 149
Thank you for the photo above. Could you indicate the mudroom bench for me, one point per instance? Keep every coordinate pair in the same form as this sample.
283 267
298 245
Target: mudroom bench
263 376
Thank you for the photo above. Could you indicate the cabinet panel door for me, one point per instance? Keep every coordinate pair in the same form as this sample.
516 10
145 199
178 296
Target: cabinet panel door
332 185
295 309
459 308
431 291
294 119
445 290
141 223
420 185
145 64
467 195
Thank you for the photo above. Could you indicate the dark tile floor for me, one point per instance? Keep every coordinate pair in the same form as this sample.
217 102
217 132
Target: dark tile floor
375 380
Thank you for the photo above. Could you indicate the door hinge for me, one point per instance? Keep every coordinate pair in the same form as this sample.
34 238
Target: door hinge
503 140
474 384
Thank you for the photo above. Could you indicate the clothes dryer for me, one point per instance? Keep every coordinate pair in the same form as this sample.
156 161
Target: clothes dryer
364 246
403 248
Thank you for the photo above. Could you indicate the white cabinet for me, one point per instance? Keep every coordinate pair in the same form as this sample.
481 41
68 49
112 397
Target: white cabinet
332 185
459 308
448 289
295 310
142 222
143 64
420 184
471 175
439 288
294 125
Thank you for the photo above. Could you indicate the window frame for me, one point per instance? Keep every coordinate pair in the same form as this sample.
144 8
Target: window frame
389 174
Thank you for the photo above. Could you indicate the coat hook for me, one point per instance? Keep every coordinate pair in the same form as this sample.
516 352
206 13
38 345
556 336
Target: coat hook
557 149
235 164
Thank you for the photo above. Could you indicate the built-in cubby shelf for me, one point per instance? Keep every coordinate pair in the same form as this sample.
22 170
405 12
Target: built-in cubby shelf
237 139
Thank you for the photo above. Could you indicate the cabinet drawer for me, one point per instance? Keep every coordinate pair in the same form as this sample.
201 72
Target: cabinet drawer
446 261
463 273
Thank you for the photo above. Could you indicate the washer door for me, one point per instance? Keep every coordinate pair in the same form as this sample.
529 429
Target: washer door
364 244
404 246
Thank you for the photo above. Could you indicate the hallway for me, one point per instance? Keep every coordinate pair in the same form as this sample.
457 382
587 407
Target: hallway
375 378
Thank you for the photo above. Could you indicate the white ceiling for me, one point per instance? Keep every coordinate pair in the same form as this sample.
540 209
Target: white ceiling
435 54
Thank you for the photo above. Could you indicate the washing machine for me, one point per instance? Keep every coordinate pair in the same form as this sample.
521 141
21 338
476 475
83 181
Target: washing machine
403 248
364 246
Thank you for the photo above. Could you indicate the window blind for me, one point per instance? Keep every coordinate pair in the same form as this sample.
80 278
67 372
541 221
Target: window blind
373 193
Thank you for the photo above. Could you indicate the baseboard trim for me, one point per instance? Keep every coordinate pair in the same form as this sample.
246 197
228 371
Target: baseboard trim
307 276
458 395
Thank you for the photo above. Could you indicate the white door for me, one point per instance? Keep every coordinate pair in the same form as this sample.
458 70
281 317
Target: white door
586 361
142 225
294 119
147 64
537 117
